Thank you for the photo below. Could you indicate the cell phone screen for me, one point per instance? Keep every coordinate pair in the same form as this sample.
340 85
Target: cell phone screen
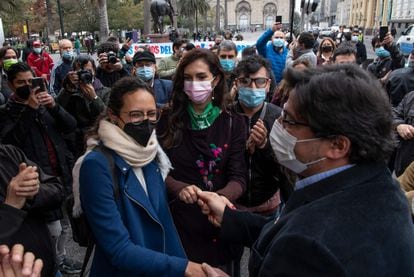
39 82
383 32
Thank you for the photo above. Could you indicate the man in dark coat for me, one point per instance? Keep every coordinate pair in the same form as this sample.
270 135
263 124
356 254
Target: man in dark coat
347 215
26 193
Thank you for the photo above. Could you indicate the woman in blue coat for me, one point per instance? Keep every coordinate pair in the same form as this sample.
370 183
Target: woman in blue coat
134 232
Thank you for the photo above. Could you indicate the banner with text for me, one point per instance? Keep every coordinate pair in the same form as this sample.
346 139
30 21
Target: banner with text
161 50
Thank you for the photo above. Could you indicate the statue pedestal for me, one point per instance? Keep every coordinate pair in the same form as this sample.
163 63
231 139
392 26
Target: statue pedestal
158 38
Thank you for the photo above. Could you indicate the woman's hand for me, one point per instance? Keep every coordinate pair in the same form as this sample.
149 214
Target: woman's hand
189 194
194 269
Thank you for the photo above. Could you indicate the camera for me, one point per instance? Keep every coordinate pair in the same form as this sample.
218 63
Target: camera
85 76
112 57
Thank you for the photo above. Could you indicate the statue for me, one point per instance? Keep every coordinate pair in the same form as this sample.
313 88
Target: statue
159 9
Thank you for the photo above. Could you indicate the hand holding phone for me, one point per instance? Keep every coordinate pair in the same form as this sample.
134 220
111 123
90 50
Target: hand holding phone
39 82
383 32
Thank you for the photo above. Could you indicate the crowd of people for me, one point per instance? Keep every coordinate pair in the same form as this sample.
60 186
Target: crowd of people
299 150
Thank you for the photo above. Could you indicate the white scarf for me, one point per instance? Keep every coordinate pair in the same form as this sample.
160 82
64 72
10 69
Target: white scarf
133 153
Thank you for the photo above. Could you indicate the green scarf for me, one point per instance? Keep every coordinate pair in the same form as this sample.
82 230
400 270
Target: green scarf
204 120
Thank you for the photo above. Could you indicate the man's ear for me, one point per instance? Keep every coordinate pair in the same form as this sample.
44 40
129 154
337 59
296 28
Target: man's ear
268 86
339 148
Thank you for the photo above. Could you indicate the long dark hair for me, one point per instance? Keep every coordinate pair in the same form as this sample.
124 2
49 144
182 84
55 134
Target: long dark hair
178 110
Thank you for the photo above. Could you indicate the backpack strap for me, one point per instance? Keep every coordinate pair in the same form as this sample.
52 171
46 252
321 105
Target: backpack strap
115 185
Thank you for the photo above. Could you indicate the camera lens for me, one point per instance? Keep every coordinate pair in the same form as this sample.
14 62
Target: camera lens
112 57
85 76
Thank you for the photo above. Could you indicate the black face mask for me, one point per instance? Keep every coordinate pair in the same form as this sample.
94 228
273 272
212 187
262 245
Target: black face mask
326 49
23 92
141 132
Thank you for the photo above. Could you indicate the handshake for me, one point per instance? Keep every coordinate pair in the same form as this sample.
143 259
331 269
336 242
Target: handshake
212 205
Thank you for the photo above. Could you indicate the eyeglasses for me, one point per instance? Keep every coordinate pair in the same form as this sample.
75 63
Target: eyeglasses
259 82
287 120
138 117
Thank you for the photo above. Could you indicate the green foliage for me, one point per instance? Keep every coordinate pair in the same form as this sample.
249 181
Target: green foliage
188 10
125 15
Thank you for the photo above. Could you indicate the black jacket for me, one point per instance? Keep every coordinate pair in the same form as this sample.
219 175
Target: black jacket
380 67
404 114
109 78
27 225
400 82
264 174
25 128
85 111
361 55
354 223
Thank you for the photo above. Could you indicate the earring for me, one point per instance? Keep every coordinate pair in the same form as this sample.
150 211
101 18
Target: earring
212 97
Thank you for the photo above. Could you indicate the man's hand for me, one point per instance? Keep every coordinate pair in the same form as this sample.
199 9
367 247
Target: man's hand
258 134
194 269
73 78
33 101
388 40
406 131
213 206
24 185
213 271
189 194
87 90
17 263
46 99
127 44
276 26
102 59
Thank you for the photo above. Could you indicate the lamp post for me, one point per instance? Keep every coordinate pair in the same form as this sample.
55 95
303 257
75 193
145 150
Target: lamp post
292 15
62 33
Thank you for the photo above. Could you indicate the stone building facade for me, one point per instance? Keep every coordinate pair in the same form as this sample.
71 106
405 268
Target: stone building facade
246 15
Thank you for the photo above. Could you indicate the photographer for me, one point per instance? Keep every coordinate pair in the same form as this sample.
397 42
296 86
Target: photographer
110 67
389 57
84 97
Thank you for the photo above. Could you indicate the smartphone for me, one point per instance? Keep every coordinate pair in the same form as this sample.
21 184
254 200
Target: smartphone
383 32
279 18
39 82
128 35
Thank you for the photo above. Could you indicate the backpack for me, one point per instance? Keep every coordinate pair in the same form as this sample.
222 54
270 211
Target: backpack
81 231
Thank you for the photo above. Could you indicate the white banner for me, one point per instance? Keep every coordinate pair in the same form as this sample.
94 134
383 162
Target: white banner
161 50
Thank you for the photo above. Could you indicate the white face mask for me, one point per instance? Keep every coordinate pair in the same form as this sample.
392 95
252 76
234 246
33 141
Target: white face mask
283 144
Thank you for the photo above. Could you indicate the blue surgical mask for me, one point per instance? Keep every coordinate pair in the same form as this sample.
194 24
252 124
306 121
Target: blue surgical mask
381 52
227 64
37 50
145 73
278 42
252 97
355 38
68 55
